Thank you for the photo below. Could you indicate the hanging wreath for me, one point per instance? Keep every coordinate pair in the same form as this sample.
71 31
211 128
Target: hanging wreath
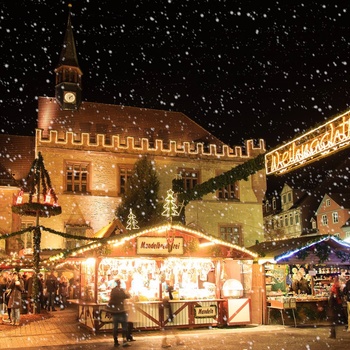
44 210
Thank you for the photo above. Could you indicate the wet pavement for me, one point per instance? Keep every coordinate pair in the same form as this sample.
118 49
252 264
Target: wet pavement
61 330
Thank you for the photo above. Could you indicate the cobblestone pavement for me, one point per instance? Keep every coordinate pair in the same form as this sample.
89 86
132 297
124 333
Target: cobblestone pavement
61 330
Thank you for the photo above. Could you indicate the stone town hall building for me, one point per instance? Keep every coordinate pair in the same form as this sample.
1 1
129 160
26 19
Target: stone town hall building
89 150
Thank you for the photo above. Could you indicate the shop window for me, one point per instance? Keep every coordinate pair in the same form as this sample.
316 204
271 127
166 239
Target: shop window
27 237
125 173
190 178
77 175
80 231
324 220
335 217
232 234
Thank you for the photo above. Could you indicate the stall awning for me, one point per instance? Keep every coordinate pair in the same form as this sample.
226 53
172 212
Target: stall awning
313 249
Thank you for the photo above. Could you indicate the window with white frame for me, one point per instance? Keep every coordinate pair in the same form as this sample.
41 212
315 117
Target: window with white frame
291 217
328 202
335 217
324 219
286 220
274 205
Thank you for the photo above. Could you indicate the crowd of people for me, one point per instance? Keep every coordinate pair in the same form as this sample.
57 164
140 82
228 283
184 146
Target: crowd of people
17 294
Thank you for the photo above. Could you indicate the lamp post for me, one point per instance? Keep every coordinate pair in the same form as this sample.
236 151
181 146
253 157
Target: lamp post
37 182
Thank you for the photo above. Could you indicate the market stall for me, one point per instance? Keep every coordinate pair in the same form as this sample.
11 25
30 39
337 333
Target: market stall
193 264
301 270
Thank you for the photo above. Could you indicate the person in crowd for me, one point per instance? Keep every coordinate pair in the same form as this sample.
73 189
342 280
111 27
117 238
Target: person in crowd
303 284
335 306
51 285
15 300
346 293
7 295
116 308
30 291
63 291
3 283
131 316
167 306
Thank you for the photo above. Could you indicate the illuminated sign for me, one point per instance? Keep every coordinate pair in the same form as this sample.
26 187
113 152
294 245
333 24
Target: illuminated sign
205 311
160 245
323 140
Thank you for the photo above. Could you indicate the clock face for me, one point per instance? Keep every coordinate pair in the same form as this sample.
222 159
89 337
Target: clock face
69 97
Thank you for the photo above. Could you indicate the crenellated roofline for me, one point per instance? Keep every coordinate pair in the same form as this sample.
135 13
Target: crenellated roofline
131 145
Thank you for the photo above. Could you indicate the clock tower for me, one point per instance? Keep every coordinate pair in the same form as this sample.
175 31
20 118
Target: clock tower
68 73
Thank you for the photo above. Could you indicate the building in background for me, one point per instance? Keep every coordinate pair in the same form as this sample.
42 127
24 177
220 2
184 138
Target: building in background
89 150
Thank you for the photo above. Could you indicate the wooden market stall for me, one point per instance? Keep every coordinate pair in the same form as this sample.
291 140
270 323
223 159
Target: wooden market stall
194 264
318 258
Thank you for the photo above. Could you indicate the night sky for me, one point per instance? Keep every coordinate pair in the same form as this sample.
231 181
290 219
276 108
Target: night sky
241 69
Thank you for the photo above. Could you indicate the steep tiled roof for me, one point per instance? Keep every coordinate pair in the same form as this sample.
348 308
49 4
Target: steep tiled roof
98 118
16 157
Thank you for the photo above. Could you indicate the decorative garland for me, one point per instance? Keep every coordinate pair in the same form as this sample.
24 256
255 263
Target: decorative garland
344 257
62 234
43 210
240 172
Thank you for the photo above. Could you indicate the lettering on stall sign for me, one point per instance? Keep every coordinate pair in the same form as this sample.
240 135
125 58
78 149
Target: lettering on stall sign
159 245
205 311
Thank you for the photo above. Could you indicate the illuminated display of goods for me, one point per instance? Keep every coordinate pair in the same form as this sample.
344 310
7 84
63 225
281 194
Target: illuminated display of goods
232 289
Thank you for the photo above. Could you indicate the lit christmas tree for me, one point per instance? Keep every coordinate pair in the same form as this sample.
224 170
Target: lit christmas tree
132 222
170 206
170 210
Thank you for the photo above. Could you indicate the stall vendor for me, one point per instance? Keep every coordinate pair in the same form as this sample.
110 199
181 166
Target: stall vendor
300 284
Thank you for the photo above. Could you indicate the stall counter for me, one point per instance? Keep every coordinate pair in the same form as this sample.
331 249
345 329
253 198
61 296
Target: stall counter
155 315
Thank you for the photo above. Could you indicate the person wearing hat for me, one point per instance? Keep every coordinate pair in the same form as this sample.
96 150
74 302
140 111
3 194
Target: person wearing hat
116 308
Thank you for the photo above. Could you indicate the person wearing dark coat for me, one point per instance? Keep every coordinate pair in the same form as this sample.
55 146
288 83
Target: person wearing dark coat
51 285
15 300
30 291
116 308
335 306
346 293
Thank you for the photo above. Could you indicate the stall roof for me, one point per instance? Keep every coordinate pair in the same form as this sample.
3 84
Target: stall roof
312 249
114 227
236 252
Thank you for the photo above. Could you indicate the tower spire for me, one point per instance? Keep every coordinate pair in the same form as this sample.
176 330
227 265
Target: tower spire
68 73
